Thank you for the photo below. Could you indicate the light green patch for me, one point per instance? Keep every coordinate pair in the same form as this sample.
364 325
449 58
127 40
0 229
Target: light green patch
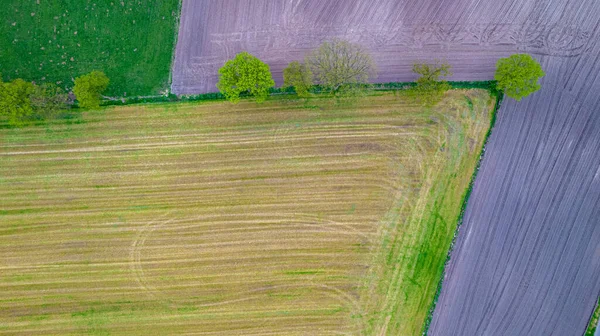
18 277
187 309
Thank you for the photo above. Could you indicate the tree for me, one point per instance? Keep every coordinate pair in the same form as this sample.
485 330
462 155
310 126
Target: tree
338 63
15 105
299 76
88 89
245 73
48 100
518 75
430 88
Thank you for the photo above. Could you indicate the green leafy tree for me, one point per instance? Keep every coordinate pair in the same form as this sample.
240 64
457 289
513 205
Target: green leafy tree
430 87
518 75
15 105
341 63
88 89
245 73
298 76
48 100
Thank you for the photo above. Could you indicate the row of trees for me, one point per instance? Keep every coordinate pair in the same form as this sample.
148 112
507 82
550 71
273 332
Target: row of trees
340 65
335 66
24 102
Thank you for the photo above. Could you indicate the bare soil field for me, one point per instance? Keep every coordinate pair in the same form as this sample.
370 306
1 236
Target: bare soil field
470 34
527 258
292 217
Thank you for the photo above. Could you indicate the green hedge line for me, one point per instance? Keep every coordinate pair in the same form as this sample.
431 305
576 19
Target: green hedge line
316 89
163 99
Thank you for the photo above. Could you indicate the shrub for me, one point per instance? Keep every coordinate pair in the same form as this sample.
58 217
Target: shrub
48 100
88 89
430 89
299 77
15 105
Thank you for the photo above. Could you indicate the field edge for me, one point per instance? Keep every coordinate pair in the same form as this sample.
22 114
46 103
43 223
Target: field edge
593 324
499 97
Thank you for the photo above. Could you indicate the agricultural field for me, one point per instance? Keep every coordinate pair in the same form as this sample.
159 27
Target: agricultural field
132 41
527 257
313 217
470 35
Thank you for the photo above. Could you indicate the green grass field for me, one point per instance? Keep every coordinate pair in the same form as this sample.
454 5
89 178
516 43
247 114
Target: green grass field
285 218
56 41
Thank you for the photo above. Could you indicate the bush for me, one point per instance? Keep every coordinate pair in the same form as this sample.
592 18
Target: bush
430 89
299 77
88 89
15 105
48 101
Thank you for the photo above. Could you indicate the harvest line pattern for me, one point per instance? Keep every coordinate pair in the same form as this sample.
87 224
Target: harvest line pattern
288 217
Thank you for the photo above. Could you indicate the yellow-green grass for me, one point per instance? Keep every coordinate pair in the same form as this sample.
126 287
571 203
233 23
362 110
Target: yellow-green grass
286 218
56 41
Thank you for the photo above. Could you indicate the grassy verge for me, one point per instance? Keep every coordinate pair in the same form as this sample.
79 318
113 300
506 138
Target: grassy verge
55 41
498 96
591 330
412 287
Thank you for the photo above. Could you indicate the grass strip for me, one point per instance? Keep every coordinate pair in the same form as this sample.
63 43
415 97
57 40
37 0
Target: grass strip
591 330
499 98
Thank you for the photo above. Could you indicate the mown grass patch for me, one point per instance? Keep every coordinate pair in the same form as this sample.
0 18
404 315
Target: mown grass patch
236 219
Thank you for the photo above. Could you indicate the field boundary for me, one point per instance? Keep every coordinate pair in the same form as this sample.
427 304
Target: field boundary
499 97
316 89
177 27
593 321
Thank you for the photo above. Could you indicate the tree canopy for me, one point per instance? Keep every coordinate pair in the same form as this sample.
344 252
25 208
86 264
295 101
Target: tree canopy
298 76
430 87
88 89
338 63
245 73
22 102
518 75
15 105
